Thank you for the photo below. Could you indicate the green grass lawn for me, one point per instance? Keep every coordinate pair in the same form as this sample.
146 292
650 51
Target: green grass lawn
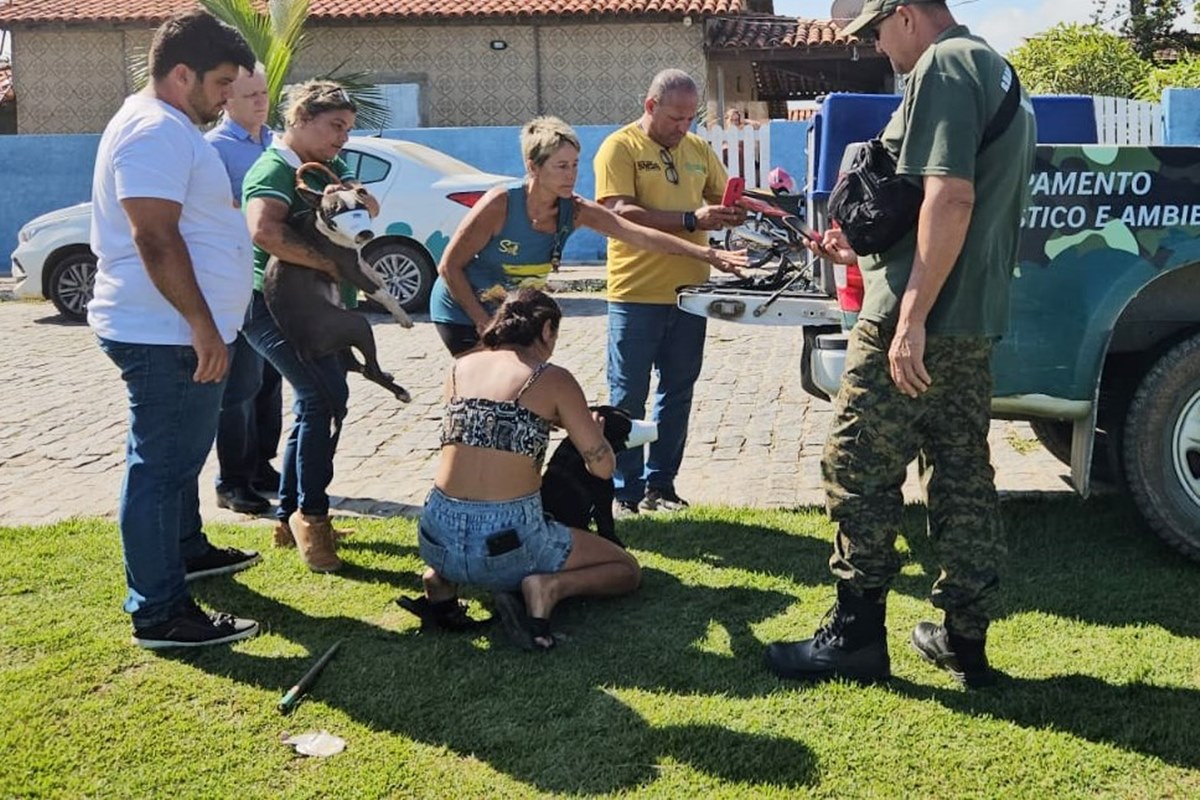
662 693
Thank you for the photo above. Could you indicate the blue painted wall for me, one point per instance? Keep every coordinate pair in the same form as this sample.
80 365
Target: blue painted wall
39 174
43 173
1181 113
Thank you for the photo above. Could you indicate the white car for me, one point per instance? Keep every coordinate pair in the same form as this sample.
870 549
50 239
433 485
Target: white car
423 195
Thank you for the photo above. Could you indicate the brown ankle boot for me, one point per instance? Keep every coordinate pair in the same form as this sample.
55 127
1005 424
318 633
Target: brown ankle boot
314 538
283 535
284 538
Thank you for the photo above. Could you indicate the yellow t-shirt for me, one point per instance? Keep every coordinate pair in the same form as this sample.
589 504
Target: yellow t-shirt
630 163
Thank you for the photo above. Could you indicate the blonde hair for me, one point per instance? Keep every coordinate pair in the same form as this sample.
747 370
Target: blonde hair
307 100
541 138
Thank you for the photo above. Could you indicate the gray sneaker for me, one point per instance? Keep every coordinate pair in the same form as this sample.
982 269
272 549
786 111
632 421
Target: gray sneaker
662 500
622 509
194 628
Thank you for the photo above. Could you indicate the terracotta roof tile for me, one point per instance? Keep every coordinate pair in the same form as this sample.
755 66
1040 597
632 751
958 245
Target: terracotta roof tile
81 11
766 33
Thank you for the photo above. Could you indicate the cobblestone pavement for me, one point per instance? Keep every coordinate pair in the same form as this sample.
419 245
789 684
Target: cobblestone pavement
755 436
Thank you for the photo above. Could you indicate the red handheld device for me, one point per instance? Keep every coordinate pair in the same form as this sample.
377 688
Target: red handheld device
733 190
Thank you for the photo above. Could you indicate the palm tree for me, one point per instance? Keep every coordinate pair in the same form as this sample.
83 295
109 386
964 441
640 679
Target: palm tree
276 37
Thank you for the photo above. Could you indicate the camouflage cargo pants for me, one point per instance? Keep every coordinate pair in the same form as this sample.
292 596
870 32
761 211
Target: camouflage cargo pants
877 431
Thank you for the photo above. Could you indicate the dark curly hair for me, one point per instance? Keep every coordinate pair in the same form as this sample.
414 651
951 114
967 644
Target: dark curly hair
521 318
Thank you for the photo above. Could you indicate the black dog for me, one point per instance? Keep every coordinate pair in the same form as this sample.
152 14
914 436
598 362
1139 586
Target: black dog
304 302
576 497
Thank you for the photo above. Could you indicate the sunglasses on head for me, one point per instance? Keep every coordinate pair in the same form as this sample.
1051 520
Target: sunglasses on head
337 94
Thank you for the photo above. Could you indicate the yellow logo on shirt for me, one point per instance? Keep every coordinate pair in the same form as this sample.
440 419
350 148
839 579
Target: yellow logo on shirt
509 248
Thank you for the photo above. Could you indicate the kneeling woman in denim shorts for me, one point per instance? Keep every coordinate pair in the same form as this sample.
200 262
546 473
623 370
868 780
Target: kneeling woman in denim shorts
483 523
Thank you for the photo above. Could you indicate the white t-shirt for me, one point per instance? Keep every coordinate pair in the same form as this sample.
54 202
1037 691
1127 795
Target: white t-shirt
151 149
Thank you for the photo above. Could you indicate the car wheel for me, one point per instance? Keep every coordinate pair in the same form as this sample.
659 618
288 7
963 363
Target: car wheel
1162 447
407 271
72 279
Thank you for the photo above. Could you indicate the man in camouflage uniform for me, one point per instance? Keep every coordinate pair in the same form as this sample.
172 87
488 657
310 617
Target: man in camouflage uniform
917 380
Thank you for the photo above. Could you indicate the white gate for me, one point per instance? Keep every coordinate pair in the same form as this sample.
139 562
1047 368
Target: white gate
745 151
1121 121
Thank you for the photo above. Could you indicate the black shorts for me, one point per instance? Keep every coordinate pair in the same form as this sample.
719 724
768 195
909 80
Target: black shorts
457 338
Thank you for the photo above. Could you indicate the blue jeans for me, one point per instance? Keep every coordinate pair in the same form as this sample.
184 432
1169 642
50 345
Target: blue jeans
268 415
321 395
453 539
237 431
641 337
172 423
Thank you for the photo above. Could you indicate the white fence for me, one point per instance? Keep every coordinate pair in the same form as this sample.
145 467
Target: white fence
1121 121
745 152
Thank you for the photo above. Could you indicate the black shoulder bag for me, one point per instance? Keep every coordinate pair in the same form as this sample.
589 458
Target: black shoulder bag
874 206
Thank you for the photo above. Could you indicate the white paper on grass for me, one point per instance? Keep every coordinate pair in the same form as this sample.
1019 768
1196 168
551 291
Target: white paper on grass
317 743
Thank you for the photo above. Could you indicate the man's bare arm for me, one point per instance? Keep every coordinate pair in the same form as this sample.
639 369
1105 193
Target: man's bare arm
941 231
708 218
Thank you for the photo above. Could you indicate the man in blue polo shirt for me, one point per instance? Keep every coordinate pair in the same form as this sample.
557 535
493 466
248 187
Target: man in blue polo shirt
251 417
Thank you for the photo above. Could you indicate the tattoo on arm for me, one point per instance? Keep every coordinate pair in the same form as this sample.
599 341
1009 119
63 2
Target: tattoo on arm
596 453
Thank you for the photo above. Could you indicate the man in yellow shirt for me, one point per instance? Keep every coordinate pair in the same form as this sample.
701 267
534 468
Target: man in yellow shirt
655 172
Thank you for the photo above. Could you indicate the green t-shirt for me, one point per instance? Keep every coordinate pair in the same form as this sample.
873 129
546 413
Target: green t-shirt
950 97
272 176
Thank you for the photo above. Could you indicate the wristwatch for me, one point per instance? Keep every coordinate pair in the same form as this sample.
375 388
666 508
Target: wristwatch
689 221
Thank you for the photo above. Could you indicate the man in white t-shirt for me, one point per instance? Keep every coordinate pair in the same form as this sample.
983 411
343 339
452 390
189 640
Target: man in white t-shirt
172 288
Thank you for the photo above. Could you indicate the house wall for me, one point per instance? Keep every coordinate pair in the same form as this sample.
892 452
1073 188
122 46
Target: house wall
72 80
587 74
68 81
739 89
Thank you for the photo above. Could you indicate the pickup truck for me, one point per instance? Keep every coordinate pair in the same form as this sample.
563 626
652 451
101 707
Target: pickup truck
1102 354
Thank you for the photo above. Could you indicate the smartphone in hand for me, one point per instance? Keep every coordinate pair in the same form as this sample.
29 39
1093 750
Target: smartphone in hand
798 224
733 190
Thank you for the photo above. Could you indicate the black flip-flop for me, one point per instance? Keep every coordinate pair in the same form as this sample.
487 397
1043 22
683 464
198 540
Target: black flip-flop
447 615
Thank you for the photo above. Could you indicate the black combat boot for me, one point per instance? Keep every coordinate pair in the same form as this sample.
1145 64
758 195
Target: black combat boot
963 658
851 643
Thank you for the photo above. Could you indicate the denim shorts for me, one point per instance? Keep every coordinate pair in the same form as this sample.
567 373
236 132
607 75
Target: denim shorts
453 540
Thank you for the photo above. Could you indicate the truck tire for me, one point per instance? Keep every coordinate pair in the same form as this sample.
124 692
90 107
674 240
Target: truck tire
1162 447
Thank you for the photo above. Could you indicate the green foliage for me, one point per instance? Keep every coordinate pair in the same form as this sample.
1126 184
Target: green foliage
1079 59
661 694
1150 25
1183 74
276 37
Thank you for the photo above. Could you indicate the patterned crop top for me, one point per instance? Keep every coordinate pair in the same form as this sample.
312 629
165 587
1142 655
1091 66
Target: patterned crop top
496 424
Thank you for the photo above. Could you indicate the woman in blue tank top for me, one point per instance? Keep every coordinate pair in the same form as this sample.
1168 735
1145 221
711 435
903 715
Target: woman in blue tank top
514 237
